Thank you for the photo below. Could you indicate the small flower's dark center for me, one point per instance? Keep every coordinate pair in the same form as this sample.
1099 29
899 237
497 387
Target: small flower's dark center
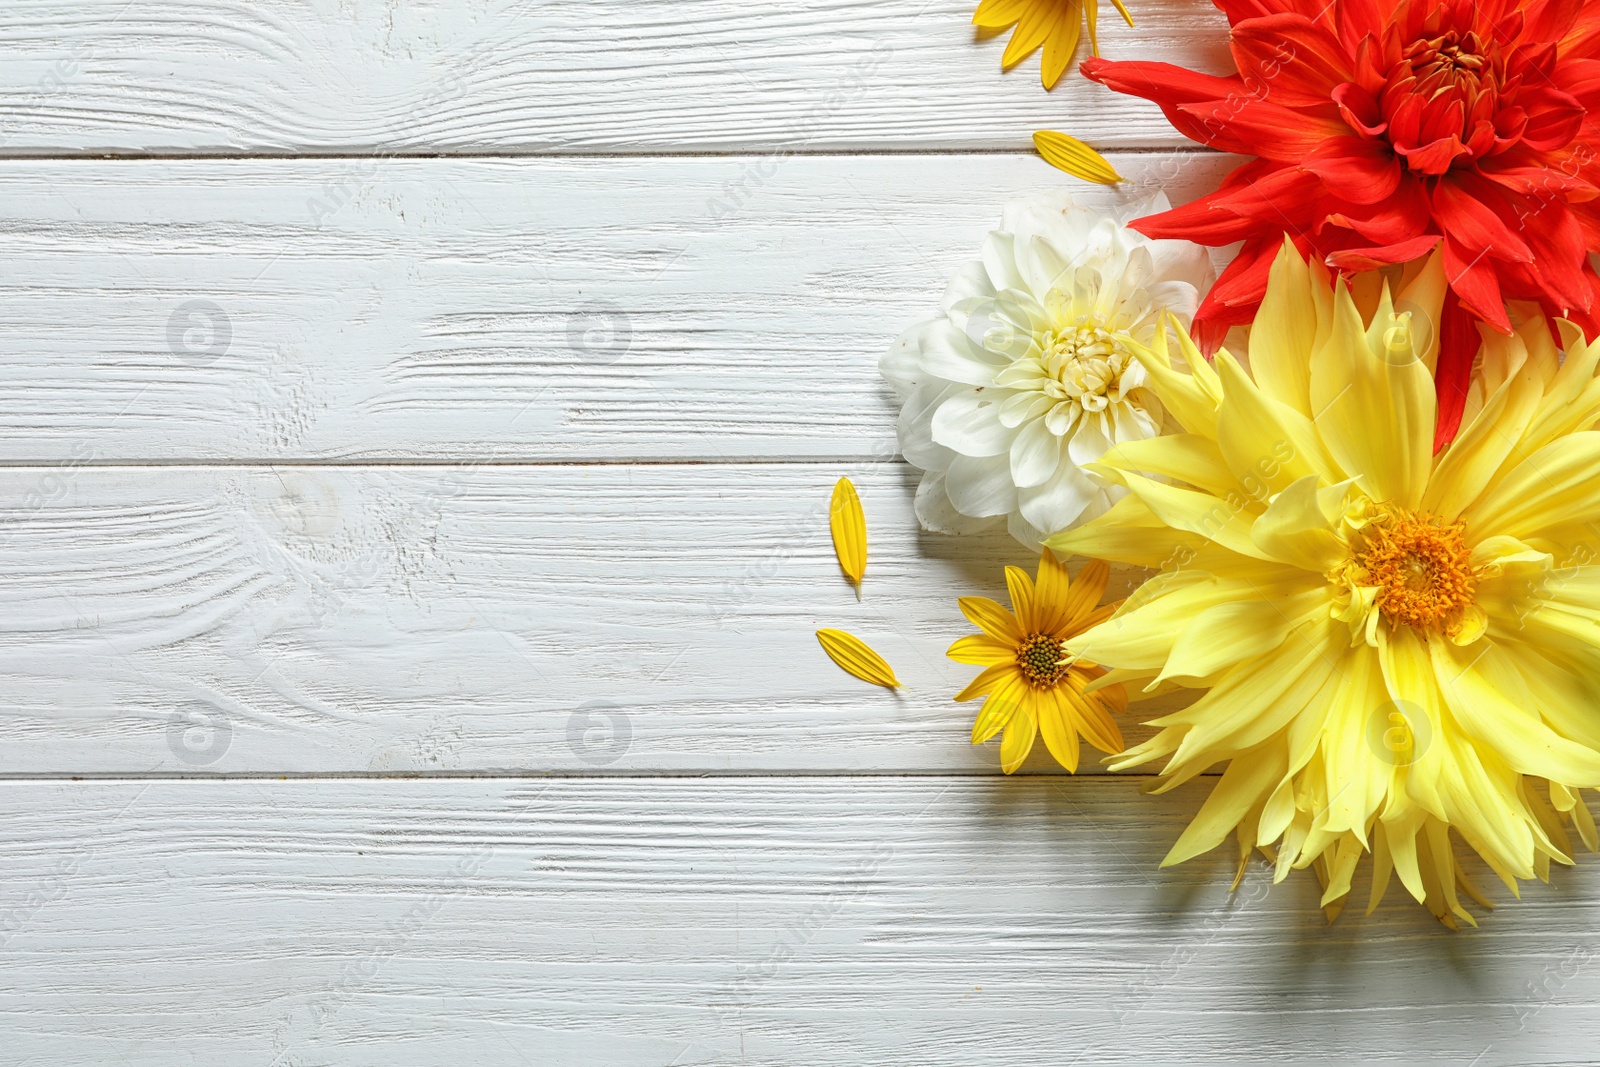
1042 660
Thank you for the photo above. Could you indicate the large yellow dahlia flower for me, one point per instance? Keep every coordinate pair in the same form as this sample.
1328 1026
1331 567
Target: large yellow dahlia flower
1400 651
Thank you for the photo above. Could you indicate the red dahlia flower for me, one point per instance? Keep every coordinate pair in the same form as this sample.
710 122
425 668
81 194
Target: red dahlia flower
1387 127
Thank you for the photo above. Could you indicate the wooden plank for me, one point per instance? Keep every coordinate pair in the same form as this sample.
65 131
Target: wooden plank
916 921
566 619
446 309
181 76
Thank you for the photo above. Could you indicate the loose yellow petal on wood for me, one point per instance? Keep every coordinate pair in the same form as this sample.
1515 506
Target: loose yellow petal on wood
1076 158
851 653
849 526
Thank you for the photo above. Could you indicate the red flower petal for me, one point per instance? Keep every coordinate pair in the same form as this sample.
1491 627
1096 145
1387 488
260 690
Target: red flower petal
1554 119
1236 296
1297 60
1353 259
1458 347
1357 170
1163 83
1252 126
1474 226
1472 276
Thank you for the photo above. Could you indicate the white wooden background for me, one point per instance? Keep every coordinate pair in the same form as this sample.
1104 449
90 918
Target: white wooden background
416 431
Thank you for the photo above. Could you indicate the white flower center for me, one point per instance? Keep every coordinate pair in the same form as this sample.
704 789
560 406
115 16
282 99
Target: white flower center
1083 363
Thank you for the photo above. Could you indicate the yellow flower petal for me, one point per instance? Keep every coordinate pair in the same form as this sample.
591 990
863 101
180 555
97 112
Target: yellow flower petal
1391 456
986 681
1060 735
1093 718
849 525
1020 586
1086 591
991 618
1062 42
1018 739
998 14
1032 29
1076 158
852 654
1050 594
982 650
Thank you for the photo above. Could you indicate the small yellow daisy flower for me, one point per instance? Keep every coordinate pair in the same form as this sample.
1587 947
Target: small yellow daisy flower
1032 686
1055 24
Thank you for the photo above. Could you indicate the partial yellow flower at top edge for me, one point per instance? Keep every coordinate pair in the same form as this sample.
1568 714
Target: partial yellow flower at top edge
1398 650
1054 24
1030 685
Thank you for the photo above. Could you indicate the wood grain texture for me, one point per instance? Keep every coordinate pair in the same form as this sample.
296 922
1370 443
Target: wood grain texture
925 921
368 76
568 619
512 309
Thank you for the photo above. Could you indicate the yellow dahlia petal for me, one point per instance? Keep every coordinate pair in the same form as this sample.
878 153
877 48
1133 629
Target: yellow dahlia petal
1245 783
1218 521
1476 455
1551 487
1294 530
1284 330
853 655
1391 456
1267 444
1142 636
1183 457
1530 747
1192 398
1235 632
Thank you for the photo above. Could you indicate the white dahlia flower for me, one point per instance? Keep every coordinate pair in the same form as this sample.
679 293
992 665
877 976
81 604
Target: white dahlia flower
1026 376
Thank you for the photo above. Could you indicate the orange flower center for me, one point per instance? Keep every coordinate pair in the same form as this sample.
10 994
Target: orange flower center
1042 661
1422 569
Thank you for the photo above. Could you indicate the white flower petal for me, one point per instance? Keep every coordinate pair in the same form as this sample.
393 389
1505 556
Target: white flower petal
1060 417
1000 260
915 426
1059 503
969 423
981 486
1035 454
949 354
970 282
1023 407
1088 442
937 514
